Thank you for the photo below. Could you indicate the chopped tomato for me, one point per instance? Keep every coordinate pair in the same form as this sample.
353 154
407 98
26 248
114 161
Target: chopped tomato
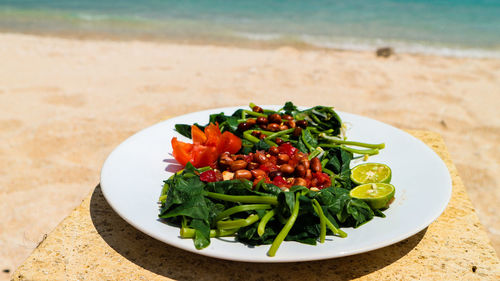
206 147
203 156
213 136
230 142
182 151
197 135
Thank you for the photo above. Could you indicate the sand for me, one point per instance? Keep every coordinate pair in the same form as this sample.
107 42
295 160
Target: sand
66 103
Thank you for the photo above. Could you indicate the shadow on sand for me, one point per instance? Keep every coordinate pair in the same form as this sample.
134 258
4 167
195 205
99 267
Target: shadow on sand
178 264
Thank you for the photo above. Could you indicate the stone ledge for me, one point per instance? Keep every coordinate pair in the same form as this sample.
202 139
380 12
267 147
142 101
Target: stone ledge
94 243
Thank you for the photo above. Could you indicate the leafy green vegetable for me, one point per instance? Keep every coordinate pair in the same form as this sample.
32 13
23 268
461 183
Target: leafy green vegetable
322 118
301 146
290 108
217 208
183 129
238 113
348 211
262 145
226 123
338 163
202 233
309 141
185 198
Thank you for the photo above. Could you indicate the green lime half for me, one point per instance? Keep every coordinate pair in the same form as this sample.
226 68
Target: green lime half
377 195
371 172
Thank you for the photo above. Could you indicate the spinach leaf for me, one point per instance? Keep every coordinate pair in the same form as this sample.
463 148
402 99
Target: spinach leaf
270 189
360 211
290 108
339 160
202 233
183 129
323 118
301 146
232 123
378 213
249 236
335 162
306 206
246 146
186 198
231 187
237 113
348 211
335 200
305 229
218 117
286 202
262 145
226 123
308 139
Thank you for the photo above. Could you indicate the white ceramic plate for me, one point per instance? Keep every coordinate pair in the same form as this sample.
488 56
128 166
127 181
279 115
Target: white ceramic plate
133 174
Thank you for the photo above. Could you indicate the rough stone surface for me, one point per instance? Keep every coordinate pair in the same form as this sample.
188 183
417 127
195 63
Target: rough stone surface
94 243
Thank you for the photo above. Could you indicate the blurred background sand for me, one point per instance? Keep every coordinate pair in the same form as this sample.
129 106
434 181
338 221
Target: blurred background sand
66 103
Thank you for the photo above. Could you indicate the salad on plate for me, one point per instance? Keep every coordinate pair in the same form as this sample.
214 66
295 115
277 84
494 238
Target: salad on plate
268 176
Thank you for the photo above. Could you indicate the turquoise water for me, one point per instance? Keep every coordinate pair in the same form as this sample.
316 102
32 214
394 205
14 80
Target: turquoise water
457 28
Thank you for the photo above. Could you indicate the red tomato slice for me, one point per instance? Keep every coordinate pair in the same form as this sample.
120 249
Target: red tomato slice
198 135
203 156
181 151
213 135
230 143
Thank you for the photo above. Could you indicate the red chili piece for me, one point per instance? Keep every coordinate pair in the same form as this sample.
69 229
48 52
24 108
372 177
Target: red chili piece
323 180
268 167
279 181
208 176
288 149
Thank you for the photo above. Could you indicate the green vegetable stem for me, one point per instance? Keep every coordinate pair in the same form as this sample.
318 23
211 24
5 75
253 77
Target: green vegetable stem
187 232
244 198
322 220
232 224
284 232
241 208
263 222
336 140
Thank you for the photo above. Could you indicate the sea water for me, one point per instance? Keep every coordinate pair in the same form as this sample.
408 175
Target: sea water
457 28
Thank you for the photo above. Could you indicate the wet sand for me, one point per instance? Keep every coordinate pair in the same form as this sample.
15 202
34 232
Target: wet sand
66 103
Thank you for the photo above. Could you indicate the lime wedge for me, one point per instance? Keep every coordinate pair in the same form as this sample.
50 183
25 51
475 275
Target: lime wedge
371 172
377 195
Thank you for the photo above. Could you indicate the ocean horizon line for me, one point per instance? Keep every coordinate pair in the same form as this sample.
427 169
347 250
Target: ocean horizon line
273 41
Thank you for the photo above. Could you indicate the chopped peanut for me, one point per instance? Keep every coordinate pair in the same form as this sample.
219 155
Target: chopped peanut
226 175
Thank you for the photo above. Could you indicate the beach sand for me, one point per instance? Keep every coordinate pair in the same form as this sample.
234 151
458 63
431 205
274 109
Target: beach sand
66 103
